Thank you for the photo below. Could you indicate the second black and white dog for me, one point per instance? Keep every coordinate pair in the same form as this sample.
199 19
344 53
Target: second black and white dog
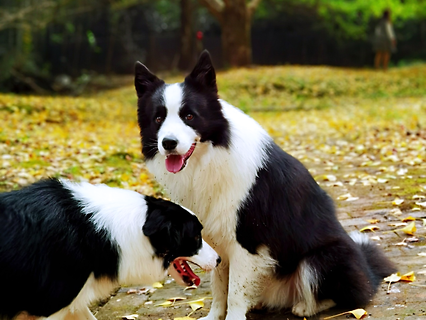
274 227
64 245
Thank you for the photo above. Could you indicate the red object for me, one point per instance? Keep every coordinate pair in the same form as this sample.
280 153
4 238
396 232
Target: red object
200 35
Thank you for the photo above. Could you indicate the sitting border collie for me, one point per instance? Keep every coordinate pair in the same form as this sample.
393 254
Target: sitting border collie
274 227
64 245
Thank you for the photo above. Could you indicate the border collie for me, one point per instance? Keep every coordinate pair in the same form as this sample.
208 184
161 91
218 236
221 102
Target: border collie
274 227
64 245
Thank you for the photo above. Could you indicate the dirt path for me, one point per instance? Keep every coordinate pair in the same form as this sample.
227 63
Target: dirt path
370 199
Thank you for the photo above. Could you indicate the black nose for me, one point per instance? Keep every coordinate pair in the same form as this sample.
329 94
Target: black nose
169 143
218 261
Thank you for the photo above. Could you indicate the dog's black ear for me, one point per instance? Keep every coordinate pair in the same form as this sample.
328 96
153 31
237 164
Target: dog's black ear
204 72
144 79
156 223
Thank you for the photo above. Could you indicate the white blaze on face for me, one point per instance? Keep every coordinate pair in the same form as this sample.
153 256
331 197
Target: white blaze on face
174 128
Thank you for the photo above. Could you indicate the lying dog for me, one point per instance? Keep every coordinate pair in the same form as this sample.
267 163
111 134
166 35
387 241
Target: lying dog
274 227
64 245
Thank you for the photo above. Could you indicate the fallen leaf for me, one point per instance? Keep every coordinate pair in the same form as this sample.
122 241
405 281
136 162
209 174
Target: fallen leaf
164 304
176 299
190 287
184 318
422 204
418 197
397 201
394 277
409 229
396 212
195 305
357 313
157 285
397 224
373 221
422 254
410 218
375 238
369 228
408 277
130 317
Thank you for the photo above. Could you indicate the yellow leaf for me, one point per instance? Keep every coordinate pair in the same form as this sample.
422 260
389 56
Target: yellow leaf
373 221
410 218
409 277
395 277
176 299
369 228
164 304
195 305
409 229
397 201
157 285
184 318
357 313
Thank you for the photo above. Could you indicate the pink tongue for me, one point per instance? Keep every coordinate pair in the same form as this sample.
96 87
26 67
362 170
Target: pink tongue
174 163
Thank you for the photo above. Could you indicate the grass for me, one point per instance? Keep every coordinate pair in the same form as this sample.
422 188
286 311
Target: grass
316 113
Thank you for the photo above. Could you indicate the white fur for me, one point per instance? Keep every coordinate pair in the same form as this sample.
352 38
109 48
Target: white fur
359 238
213 185
173 126
122 213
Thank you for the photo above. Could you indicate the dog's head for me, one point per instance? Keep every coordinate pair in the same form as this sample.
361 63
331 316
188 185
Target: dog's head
174 118
175 235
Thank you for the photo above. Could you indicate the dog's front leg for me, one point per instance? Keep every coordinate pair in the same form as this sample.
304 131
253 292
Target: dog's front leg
219 285
247 277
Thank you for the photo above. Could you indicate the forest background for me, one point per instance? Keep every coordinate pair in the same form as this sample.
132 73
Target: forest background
62 45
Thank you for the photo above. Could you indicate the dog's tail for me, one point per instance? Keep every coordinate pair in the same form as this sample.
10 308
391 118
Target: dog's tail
380 266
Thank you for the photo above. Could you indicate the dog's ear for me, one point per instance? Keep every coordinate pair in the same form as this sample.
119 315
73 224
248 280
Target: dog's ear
144 79
155 223
204 72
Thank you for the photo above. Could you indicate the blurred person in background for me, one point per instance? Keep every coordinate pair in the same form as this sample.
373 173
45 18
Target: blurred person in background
384 41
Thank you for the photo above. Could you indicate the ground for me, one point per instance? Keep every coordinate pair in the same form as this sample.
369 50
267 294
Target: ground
360 133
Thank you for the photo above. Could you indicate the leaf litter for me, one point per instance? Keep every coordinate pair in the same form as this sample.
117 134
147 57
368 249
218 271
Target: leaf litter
64 137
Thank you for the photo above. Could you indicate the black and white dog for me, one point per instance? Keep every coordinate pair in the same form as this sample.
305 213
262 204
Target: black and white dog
64 245
274 227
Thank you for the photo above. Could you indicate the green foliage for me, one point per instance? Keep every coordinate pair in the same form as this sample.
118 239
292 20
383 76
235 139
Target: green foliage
349 18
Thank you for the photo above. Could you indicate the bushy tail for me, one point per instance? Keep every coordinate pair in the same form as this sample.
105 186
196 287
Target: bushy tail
379 265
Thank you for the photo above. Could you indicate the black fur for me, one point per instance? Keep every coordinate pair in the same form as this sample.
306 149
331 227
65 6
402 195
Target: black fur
288 212
48 250
49 246
173 231
199 99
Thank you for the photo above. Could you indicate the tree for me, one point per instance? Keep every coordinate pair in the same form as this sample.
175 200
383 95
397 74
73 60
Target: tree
186 56
235 17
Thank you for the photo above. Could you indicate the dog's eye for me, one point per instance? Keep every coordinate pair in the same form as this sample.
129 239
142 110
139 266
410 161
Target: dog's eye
159 119
197 238
189 117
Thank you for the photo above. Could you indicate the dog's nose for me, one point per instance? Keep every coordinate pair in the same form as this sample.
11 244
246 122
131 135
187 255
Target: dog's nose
169 143
218 261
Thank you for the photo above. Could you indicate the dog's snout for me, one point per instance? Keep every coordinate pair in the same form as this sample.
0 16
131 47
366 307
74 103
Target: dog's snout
218 261
169 143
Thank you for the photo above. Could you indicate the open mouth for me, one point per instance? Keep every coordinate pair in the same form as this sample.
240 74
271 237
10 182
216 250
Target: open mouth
176 162
182 273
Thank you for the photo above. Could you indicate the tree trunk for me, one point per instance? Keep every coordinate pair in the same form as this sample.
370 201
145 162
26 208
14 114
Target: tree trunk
186 35
236 38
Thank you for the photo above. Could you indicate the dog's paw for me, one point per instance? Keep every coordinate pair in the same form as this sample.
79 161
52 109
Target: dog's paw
300 309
